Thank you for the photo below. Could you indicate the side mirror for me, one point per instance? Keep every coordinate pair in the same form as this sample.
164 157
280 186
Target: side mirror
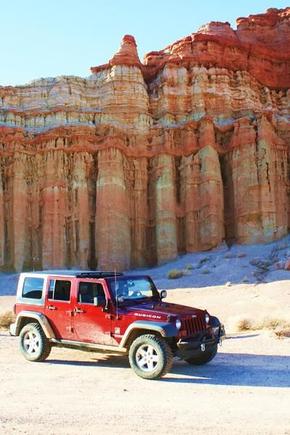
120 299
163 294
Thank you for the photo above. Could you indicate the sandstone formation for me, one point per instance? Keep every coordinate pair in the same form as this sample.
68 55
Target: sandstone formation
141 162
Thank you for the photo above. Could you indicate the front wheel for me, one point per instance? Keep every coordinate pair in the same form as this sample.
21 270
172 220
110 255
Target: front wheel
33 343
203 357
150 356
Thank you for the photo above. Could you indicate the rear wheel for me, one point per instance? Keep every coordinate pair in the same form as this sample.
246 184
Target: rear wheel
150 356
203 357
33 343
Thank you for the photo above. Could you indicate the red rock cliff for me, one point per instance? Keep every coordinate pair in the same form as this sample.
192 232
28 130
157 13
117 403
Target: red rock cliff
142 161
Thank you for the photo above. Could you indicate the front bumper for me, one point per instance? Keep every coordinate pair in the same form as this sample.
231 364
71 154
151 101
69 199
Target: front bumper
187 347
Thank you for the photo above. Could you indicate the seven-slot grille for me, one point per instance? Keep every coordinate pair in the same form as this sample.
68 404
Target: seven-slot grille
193 325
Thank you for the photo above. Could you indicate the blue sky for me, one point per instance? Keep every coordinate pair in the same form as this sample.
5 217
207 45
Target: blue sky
66 37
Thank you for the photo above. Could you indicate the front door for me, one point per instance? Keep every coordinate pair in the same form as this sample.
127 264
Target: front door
91 323
58 307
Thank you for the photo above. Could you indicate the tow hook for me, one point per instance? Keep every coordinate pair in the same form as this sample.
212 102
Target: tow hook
202 347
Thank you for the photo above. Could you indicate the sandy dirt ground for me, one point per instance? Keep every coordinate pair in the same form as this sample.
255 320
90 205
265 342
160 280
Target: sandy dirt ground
244 390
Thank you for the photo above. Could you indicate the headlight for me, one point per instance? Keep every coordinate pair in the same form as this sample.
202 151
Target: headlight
206 318
178 323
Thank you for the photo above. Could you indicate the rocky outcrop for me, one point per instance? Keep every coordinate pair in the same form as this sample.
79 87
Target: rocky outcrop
143 161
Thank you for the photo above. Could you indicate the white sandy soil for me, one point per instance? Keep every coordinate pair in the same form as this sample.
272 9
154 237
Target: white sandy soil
244 390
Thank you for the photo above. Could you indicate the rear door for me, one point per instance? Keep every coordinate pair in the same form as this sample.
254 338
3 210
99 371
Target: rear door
91 323
59 308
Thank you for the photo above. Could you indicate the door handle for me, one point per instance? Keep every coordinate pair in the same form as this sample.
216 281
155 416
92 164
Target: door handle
51 307
78 310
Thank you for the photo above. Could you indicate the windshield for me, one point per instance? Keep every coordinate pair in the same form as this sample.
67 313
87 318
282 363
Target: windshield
129 288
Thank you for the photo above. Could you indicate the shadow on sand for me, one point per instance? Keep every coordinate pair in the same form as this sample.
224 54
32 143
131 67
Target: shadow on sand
227 369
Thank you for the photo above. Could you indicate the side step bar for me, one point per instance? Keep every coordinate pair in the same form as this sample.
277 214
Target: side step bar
89 346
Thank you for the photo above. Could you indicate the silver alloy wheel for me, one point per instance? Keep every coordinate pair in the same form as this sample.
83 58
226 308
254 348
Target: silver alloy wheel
147 358
31 342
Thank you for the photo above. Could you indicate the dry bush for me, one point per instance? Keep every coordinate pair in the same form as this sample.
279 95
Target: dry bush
275 324
188 266
269 323
244 324
282 332
174 274
6 319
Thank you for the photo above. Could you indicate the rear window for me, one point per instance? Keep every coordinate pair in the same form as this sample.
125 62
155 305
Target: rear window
32 288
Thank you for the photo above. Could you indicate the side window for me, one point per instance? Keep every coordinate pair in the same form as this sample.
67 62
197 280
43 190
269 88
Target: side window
88 291
59 290
32 288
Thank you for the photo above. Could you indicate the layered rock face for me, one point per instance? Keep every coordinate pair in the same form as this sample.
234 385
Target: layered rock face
143 161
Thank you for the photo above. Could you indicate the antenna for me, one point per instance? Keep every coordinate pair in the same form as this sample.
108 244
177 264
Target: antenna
116 295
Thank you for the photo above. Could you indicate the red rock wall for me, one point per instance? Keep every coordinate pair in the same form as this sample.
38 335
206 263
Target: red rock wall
143 161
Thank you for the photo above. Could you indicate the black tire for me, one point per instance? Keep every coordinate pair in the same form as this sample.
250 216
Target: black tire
203 357
34 345
150 356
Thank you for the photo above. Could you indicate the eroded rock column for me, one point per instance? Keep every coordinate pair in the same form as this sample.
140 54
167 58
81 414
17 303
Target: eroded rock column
190 199
271 164
34 251
245 182
19 207
81 215
258 168
139 207
53 211
113 236
211 212
165 203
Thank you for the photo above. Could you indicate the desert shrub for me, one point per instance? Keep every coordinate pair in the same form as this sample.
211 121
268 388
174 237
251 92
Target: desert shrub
269 323
282 332
244 325
205 271
188 267
276 324
174 274
6 319
203 261
273 323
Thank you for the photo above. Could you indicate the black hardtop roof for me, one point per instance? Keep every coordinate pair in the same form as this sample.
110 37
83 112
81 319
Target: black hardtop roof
76 273
82 273
85 274
98 274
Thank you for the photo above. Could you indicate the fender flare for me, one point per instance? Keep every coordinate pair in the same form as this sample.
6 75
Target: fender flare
39 317
163 328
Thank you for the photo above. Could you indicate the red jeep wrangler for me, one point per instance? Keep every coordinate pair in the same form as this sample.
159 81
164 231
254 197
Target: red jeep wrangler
113 313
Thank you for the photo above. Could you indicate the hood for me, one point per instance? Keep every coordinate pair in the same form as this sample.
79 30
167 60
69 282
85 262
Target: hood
161 310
